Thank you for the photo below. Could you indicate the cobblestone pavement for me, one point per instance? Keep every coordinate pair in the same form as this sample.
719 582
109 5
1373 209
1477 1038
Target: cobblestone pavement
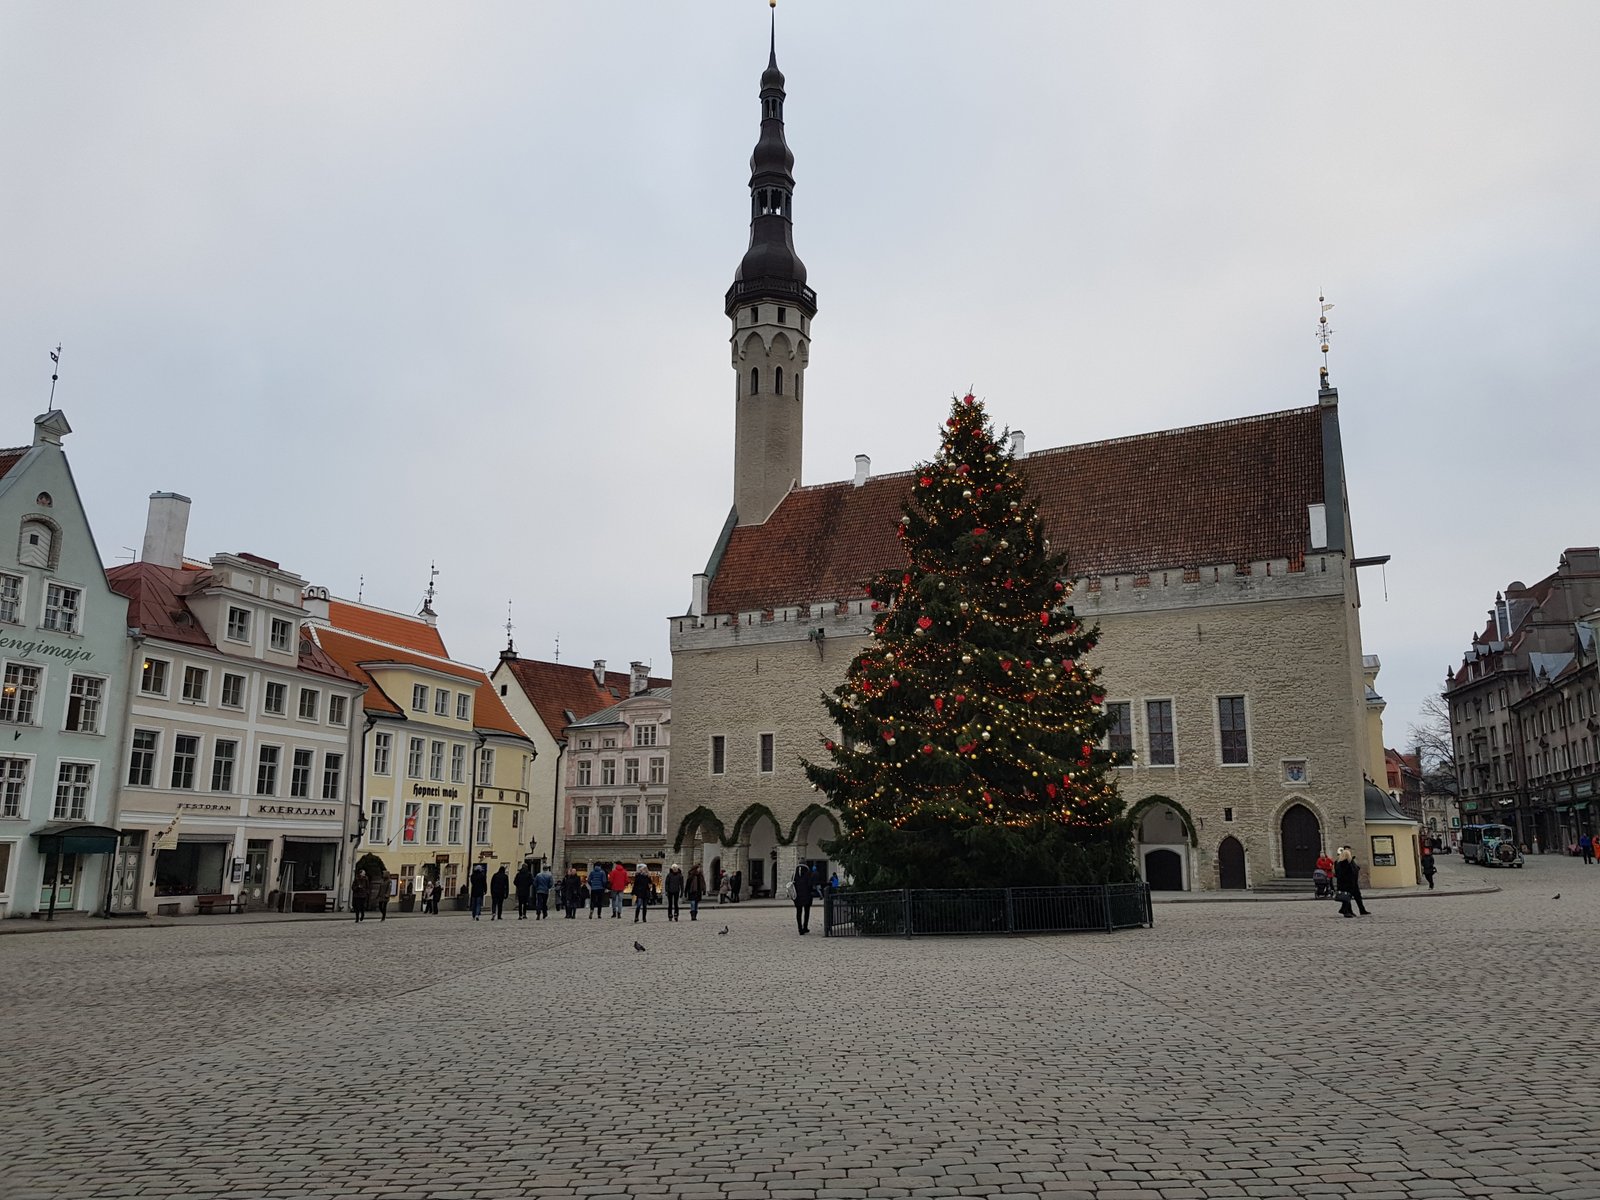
1442 1047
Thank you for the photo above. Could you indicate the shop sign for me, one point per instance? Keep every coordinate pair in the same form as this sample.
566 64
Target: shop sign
442 793
27 646
203 806
1382 851
441 858
295 810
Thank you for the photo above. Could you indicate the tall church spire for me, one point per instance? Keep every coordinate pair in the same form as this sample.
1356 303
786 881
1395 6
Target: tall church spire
771 309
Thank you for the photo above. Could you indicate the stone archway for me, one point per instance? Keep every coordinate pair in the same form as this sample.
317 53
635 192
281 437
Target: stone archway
1300 835
1163 836
1231 875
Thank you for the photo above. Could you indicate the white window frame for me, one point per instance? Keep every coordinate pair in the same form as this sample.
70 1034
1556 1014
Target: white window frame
630 820
16 599
284 644
630 771
222 692
302 772
605 820
382 752
338 709
242 636
463 706
412 811
190 671
316 704
277 768
433 823
194 764
580 820
419 691
416 757
74 611
658 769
655 820
332 774
87 812
436 761
232 760
377 819
485 766
23 786
456 825
644 735
145 671
458 763
1172 702
484 818
40 681
266 699
608 772
583 776
154 763
441 702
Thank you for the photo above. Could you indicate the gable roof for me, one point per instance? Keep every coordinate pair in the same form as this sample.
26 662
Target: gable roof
158 607
1231 492
614 714
557 689
381 625
10 458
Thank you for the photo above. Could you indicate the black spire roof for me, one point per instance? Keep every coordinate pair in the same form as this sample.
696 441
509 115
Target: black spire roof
770 268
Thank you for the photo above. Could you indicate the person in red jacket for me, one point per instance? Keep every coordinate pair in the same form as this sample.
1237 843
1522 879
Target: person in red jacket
618 881
1324 863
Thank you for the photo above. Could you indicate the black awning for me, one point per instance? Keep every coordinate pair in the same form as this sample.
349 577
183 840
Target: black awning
66 837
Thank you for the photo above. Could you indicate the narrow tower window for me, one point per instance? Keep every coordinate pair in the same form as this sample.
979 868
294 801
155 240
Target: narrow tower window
755 381
755 315
783 316
777 381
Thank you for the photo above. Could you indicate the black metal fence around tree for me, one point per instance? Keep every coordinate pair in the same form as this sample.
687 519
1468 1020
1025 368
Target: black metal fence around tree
914 912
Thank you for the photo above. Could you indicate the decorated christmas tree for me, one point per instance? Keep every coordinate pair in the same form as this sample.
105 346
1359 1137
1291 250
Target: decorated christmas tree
969 748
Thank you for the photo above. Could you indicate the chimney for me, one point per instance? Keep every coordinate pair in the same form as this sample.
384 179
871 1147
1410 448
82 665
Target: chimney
165 529
1019 444
701 595
599 672
863 469
49 428
638 678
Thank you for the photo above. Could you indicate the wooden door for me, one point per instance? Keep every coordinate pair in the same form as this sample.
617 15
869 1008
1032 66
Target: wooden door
1230 864
1302 842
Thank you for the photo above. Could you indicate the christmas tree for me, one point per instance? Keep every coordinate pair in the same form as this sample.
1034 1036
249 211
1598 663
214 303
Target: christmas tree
969 749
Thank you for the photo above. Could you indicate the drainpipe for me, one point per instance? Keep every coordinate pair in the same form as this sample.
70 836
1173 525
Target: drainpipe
114 801
472 806
555 801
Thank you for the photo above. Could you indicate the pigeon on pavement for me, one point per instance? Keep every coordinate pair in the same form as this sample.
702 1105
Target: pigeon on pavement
638 947
722 931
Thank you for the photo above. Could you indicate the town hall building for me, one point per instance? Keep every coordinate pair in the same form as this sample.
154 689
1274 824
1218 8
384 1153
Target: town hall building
1217 560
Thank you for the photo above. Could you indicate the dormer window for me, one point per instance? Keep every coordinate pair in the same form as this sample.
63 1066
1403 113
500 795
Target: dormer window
282 634
238 624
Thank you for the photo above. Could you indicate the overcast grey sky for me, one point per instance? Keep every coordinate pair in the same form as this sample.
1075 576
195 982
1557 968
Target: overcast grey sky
383 283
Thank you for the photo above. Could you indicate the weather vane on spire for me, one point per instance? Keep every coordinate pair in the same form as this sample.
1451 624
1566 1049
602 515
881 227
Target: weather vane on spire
55 365
509 627
1323 334
427 599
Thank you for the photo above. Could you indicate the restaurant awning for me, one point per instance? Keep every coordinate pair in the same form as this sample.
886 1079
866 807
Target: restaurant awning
66 837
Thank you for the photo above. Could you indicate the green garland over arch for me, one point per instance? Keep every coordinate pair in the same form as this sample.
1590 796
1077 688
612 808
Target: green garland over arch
1136 812
705 819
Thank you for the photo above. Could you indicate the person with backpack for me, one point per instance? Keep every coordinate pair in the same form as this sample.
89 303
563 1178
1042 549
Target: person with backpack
597 891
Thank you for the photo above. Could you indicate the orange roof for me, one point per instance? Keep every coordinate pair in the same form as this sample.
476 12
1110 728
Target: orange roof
489 713
1230 492
380 626
556 689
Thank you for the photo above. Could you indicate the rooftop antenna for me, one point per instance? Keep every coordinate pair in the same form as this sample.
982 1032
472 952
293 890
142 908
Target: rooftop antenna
558 647
1323 334
55 374
427 599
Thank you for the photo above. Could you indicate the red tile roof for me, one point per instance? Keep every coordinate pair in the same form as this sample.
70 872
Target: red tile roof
490 713
382 626
556 689
1232 492
10 458
157 605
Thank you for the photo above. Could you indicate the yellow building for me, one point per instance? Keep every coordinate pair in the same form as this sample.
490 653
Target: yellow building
444 783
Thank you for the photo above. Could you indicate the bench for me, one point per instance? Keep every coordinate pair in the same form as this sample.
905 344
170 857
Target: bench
317 902
206 905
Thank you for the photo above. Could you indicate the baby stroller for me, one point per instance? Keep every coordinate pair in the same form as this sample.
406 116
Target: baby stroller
1324 884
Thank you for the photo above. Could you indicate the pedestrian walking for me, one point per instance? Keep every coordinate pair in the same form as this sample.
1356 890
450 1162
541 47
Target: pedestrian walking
359 891
597 891
1586 848
384 885
1347 878
694 890
673 886
438 894
523 884
800 893
643 885
499 889
1429 867
542 883
480 885
618 880
571 892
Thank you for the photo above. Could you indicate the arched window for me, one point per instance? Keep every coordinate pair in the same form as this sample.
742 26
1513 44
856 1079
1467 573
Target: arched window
36 547
755 381
777 381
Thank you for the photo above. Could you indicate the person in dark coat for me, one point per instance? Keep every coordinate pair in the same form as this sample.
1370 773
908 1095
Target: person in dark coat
524 885
480 885
694 890
643 886
383 896
801 886
499 889
359 891
1429 867
571 892
1347 879
673 886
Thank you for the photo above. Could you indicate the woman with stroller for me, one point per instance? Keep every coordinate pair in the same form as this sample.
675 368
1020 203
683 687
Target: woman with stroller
1347 877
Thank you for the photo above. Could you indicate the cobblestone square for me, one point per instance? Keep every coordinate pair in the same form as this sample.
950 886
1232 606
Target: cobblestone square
1442 1047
